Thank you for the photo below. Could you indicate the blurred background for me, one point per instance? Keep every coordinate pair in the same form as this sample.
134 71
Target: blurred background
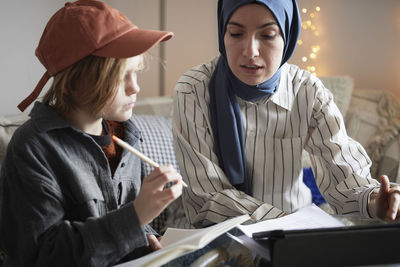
358 38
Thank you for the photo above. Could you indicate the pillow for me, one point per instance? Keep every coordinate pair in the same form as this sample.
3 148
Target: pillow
157 144
389 163
309 180
157 141
373 119
341 88
363 118
8 125
159 105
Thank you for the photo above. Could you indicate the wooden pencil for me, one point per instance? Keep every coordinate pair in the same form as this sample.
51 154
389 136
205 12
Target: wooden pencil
143 157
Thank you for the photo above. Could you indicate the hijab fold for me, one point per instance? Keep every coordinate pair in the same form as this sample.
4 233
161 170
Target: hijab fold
226 119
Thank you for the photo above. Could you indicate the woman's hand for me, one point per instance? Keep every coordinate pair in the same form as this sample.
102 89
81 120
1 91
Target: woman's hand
385 204
153 198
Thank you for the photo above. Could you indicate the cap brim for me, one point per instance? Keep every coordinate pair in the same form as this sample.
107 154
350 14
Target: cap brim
133 43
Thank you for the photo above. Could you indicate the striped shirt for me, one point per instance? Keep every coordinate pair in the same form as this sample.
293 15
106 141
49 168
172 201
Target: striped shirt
301 116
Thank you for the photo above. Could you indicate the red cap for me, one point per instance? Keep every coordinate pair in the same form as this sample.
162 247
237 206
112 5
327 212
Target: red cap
88 27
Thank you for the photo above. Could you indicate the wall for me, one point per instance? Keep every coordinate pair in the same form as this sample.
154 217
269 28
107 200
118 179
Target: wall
146 15
358 38
195 29
195 26
21 25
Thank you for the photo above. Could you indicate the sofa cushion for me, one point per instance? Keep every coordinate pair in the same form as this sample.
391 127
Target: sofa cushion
389 163
341 88
157 141
159 106
157 144
8 125
373 119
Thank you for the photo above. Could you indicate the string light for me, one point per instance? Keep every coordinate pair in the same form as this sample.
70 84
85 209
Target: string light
309 26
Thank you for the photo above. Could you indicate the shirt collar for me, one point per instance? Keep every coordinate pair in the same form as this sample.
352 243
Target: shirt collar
284 96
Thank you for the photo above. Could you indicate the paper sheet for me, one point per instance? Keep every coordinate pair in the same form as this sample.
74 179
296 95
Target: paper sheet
310 217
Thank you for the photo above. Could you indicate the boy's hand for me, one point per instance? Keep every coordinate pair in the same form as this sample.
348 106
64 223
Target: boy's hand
154 242
153 198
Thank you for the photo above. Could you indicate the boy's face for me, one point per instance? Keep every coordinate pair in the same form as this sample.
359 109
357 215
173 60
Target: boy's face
120 108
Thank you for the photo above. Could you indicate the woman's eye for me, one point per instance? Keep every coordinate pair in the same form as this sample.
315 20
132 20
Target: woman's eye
268 34
234 34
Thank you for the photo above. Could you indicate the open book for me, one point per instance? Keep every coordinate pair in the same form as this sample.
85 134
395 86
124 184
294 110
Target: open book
177 242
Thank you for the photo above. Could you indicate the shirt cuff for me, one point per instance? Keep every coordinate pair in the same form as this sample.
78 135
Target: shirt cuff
364 201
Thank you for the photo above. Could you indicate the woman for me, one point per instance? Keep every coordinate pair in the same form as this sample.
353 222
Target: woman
242 120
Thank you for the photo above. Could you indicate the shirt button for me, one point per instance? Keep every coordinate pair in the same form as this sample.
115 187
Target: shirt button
122 164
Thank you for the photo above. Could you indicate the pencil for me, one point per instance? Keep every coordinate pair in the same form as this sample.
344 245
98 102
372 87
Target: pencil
143 157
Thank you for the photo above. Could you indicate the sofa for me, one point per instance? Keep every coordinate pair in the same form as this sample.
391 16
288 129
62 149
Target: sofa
372 118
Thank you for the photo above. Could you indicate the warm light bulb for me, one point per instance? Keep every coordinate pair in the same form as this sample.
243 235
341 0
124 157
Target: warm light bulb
315 48
309 23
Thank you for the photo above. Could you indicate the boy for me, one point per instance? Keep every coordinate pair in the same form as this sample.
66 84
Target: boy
70 195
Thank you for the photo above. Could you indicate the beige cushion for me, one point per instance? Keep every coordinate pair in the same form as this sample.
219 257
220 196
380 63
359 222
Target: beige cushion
341 88
389 163
363 118
8 125
160 106
373 119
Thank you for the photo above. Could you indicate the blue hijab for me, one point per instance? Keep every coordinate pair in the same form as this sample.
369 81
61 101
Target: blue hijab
224 86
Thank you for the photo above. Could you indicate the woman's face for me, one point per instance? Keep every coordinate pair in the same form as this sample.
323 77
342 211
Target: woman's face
120 107
253 43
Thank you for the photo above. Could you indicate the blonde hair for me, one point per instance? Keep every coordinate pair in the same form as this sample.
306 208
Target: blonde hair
89 84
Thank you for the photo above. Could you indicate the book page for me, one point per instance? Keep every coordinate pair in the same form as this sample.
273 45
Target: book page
173 235
310 217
